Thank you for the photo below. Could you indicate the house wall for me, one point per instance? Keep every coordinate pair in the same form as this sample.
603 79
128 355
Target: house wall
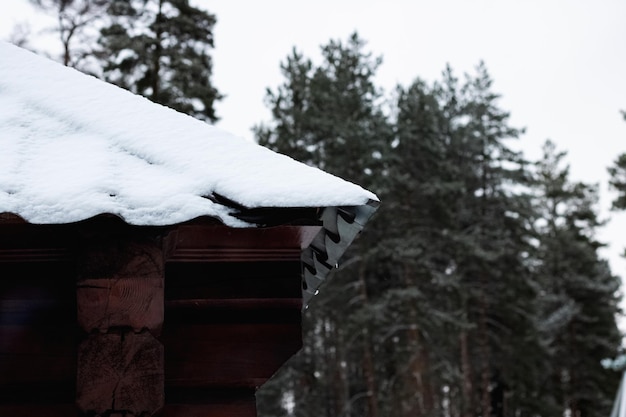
231 315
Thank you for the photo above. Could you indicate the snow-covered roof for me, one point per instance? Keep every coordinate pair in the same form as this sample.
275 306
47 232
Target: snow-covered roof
73 147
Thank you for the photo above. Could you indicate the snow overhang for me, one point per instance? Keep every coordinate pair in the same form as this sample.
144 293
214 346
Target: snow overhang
74 147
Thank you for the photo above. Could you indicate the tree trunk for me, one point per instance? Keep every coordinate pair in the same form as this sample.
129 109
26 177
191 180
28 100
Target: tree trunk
466 369
368 364
485 372
418 367
342 390
157 54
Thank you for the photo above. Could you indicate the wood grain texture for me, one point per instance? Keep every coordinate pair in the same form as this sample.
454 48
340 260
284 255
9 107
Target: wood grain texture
120 284
120 372
199 243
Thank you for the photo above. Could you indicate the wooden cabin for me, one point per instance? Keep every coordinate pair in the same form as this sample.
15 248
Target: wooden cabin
150 264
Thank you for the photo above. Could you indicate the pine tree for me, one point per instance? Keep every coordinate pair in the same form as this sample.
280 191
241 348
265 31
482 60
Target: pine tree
419 195
329 115
617 179
578 298
490 237
160 49
444 306
618 182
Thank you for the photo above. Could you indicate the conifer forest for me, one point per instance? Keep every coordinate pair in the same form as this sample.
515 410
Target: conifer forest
476 290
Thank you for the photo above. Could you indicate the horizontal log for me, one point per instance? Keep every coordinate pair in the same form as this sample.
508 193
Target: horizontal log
37 294
202 402
211 410
234 255
44 410
24 241
198 243
37 353
37 280
37 312
38 393
235 303
49 340
233 280
35 255
227 355
203 395
246 310
23 368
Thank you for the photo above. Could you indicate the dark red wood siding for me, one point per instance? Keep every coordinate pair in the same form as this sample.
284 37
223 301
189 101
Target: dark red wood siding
231 302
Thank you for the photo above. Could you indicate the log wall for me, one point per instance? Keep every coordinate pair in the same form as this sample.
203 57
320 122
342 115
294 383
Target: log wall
102 318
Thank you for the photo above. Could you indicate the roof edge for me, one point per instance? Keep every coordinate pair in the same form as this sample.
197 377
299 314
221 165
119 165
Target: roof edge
340 227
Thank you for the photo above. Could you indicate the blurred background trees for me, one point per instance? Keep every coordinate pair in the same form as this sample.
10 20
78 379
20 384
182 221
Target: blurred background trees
477 290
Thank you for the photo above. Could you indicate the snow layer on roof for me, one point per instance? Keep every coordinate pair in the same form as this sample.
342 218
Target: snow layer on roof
73 146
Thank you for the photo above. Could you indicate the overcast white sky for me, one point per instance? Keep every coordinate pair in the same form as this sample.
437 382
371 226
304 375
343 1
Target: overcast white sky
559 65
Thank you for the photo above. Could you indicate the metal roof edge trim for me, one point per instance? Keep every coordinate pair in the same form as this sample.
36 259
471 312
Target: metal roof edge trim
340 226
